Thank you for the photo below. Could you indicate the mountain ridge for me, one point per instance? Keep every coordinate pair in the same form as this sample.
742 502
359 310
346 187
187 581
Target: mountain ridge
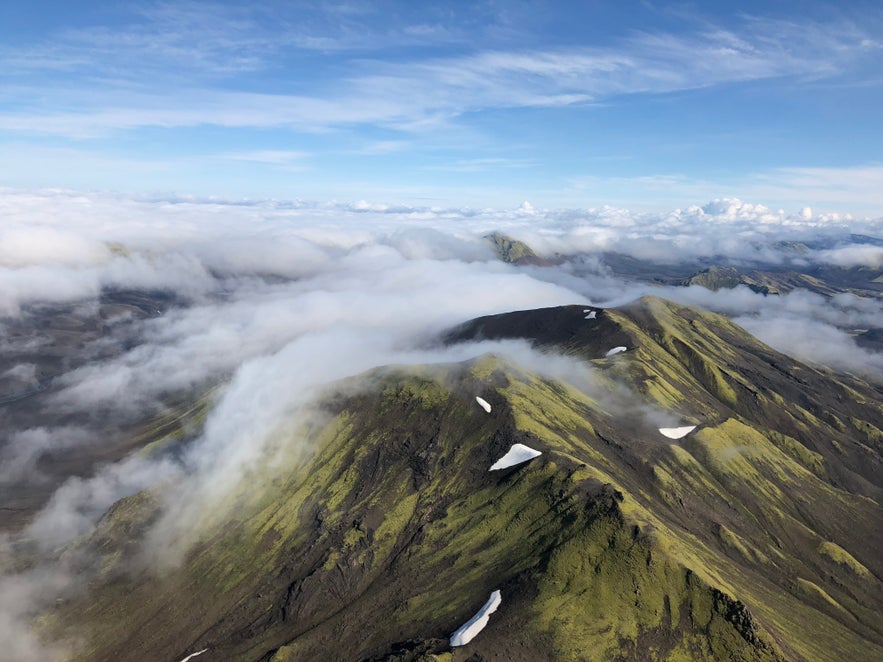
732 542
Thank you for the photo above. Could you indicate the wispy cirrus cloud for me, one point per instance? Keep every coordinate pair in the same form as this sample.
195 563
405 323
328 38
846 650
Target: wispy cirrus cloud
856 184
201 108
125 90
175 40
394 100
376 147
166 39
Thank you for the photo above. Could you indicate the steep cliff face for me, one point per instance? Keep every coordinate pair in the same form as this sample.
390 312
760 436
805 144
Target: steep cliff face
752 537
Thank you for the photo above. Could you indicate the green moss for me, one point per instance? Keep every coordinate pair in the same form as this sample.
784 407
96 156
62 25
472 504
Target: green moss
394 523
813 461
508 249
587 595
606 541
662 392
839 555
745 549
550 411
485 366
675 365
605 591
287 653
423 392
731 448
685 469
814 590
871 431
716 278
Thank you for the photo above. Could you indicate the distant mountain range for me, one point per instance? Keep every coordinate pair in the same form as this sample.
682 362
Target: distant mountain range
792 273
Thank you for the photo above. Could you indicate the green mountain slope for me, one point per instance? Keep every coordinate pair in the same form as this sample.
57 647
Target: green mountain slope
827 281
753 538
516 252
719 272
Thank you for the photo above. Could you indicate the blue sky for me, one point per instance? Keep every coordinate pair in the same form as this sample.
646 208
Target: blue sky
644 105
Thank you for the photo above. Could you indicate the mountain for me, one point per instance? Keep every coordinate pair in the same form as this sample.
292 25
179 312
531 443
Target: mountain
824 280
516 252
789 272
379 529
769 278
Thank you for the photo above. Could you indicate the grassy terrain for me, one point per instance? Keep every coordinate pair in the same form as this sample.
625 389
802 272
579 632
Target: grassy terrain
515 252
754 538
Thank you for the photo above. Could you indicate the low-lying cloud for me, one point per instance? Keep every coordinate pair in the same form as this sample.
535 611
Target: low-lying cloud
274 300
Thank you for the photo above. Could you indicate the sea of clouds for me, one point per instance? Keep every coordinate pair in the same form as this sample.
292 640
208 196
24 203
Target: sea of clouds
276 299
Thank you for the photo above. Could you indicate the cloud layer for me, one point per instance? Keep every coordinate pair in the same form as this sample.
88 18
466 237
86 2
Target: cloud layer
275 299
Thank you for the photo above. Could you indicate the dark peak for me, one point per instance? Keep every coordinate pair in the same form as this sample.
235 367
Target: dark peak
563 328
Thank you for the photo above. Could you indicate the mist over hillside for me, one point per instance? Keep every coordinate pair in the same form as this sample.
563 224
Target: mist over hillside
441 332
185 344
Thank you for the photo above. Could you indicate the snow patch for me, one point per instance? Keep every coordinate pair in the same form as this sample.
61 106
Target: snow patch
476 624
616 350
592 314
677 433
484 404
192 655
517 454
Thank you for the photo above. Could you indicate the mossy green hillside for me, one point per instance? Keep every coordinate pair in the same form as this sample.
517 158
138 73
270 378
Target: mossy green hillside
782 461
390 532
396 514
839 555
708 370
511 250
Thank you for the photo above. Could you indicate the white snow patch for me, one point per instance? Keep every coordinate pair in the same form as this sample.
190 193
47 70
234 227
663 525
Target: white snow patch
192 655
484 404
517 454
677 433
616 350
592 314
476 624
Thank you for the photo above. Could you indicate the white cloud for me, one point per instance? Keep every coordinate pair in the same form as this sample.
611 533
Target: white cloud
33 246
384 147
23 448
43 283
79 502
269 156
484 164
854 188
371 92
854 255
856 185
814 341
